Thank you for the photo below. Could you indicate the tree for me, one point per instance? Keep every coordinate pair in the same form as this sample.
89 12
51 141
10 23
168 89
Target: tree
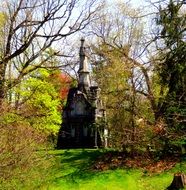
168 76
124 81
33 115
171 67
62 82
39 102
112 79
31 27
124 33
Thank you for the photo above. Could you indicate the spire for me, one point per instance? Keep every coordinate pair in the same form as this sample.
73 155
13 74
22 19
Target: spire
84 78
83 60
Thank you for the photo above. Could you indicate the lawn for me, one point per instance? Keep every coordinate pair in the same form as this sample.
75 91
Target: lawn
74 172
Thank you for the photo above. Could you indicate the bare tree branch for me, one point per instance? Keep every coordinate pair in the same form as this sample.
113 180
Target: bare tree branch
32 26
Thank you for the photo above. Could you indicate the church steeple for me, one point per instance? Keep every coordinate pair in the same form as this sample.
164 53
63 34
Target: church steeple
84 78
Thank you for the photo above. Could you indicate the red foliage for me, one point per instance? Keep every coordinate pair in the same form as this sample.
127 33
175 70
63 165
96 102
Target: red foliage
65 85
63 82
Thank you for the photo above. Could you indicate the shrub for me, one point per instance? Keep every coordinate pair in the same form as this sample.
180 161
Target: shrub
23 162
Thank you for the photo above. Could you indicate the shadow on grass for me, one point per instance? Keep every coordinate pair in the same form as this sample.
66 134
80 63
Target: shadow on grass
75 164
73 171
83 155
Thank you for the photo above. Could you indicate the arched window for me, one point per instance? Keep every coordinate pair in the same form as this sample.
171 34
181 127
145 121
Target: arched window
73 131
80 108
85 131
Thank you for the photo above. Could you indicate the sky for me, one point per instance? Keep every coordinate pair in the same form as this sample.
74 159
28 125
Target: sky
135 3
138 2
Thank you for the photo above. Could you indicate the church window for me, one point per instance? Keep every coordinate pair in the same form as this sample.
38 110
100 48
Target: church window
72 131
79 108
85 131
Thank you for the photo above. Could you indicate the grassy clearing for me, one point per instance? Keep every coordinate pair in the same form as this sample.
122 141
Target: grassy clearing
73 173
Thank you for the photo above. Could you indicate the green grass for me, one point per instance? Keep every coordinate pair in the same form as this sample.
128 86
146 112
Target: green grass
73 173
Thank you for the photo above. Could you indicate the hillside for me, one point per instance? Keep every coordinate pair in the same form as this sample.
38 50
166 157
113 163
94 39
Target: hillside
75 171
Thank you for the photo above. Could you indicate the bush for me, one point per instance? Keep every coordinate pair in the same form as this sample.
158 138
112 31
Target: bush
23 162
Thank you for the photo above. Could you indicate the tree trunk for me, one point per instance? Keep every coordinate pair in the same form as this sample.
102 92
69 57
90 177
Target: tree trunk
179 182
2 83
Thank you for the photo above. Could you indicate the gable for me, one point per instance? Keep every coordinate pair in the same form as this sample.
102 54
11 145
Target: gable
79 106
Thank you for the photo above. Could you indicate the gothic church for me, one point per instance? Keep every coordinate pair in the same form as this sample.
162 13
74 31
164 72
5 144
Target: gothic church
83 112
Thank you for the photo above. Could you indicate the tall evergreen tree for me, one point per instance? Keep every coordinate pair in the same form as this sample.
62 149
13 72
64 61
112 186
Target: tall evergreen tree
172 67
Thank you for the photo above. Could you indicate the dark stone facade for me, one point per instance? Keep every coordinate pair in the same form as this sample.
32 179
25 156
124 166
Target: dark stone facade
82 113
